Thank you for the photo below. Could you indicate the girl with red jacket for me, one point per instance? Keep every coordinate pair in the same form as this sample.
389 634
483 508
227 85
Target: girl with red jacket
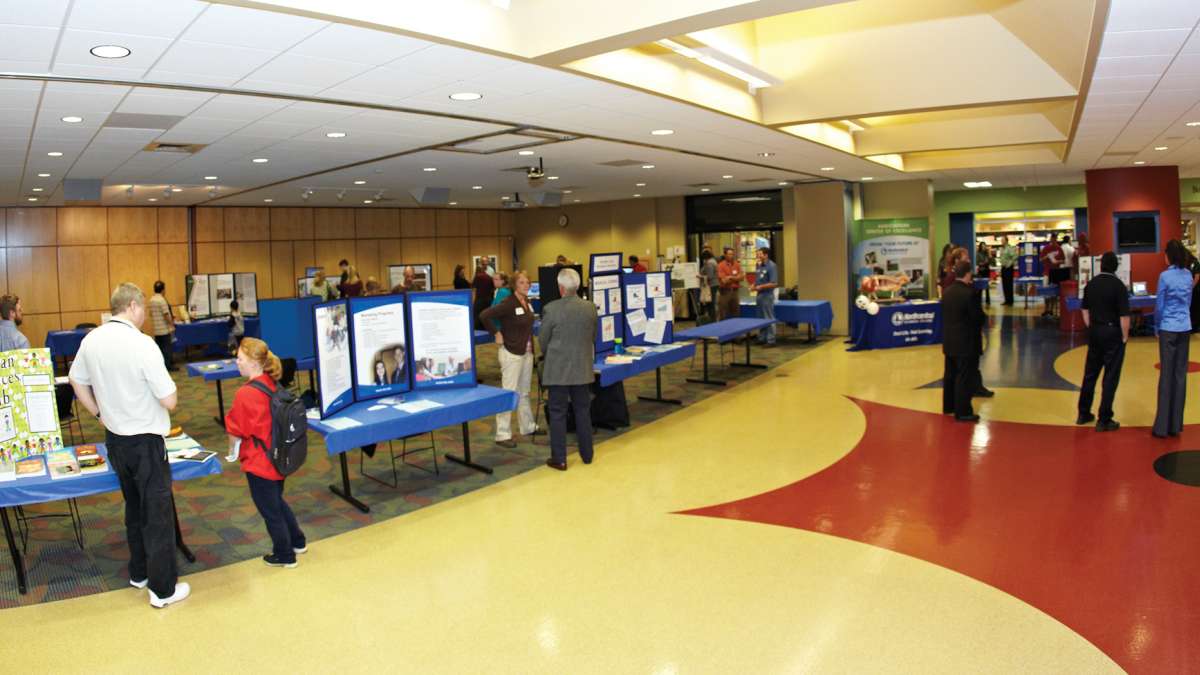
248 424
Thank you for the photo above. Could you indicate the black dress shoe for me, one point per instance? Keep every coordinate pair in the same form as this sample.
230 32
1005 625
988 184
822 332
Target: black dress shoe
1108 425
1157 435
587 461
983 393
966 418
1086 418
561 466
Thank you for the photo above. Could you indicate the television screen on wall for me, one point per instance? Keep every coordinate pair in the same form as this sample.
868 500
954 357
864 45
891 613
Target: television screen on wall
1136 232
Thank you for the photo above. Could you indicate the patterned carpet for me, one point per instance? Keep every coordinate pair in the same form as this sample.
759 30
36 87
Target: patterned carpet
221 525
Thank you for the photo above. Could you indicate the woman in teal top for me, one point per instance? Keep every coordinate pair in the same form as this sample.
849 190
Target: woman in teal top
1172 312
502 292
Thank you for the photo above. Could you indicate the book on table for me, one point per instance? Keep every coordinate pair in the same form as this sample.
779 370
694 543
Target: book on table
62 464
90 460
31 467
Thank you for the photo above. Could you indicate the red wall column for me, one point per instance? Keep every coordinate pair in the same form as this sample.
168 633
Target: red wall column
1147 188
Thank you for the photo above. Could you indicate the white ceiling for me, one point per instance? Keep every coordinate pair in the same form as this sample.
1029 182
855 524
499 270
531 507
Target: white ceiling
1147 84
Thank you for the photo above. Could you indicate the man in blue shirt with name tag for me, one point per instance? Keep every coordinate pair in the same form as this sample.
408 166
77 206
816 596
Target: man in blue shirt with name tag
766 280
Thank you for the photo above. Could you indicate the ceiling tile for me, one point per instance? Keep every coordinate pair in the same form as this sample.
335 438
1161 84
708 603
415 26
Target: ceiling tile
241 27
1125 66
449 63
312 73
383 85
223 64
82 98
73 50
163 102
1105 85
157 18
1143 42
40 13
340 42
28 43
1127 15
243 108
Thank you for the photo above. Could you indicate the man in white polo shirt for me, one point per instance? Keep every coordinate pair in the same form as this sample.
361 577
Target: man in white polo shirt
119 376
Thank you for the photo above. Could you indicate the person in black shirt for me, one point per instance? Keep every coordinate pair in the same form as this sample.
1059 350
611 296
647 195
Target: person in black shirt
1106 314
962 325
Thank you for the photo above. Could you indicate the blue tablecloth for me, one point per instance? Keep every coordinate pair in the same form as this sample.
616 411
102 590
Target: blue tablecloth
46 489
724 331
210 332
64 343
612 373
815 313
901 325
483 337
457 406
1135 302
227 368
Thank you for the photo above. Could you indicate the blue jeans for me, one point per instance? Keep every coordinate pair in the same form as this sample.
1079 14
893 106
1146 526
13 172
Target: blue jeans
281 523
766 310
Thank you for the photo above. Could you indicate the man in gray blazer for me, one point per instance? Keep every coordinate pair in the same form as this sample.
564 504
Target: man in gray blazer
568 337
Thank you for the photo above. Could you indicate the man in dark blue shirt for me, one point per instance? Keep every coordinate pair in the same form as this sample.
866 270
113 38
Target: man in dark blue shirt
1106 314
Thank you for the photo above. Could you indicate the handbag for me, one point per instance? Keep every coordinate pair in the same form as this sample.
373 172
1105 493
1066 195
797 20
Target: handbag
705 294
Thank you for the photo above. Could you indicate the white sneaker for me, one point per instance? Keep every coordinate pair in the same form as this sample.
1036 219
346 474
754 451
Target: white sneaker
182 590
302 549
139 584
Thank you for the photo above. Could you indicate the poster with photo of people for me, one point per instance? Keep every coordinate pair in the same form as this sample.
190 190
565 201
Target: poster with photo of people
442 349
380 346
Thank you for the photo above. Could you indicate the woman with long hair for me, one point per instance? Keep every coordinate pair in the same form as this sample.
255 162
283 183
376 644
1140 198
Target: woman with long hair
460 278
514 315
1172 312
248 424
353 285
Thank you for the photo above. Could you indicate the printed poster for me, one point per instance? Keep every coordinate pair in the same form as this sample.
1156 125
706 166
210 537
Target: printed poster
605 263
894 254
332 333
198 303
664 309
614 300
608 328
687 273
635 296
246 285
28 412
656 285
380 346
442 348
220 293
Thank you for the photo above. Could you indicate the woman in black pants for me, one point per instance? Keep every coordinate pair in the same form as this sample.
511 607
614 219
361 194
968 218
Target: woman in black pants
1172 312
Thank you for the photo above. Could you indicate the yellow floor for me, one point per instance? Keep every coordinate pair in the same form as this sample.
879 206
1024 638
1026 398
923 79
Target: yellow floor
590 571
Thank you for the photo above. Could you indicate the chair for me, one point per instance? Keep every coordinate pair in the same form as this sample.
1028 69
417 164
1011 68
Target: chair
84 326
23 520
288 378
404 452
68 413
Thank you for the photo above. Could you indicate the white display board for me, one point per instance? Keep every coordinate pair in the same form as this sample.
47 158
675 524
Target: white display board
198 301
220 293
245 285
422 276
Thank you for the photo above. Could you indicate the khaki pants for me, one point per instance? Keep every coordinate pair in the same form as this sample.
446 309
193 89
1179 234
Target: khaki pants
516 374
727 304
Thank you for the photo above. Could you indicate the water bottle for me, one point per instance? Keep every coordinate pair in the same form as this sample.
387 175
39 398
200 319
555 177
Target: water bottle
617 348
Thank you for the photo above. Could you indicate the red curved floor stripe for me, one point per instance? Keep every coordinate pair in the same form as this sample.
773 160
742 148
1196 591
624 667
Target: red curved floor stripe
1073 522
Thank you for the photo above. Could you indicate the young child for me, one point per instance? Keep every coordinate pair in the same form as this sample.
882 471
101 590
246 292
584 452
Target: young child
237 327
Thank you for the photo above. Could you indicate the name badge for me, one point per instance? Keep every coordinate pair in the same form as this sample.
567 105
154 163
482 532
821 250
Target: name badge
520 311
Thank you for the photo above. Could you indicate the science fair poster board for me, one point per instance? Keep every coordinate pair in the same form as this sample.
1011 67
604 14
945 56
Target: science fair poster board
606 295
197 296
287 327
604 263
220 293
245 289
380 346
209 295
422 276
331 336
649 308
28 409
441 345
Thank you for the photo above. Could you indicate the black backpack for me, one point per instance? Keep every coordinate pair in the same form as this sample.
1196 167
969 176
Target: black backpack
289 430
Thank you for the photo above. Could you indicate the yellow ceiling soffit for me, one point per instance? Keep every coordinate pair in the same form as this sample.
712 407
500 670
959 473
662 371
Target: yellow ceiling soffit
894 161
1039 153
824 133
967 132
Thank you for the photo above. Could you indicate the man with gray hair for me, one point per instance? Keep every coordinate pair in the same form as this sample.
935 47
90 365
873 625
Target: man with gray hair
568 338
120 377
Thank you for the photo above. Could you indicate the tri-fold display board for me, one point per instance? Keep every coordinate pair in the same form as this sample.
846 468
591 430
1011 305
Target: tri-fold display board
376 346
604 272
649 310
209 295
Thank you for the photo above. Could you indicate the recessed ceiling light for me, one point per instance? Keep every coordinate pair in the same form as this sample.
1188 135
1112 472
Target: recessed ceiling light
110 51
1192 124
174 189
430 168
152 199
637 195
766 154
662 132
784 182
567 192
576 201
268 200
43 175
72 119
505 198
476 187
827 168
551 177
704 189
453 203
31 199
260 160
978 184
1160 148
647 166
1140 162
54 154
336 134
210 178
466 96
726 176
37 189
868 178
639 185
360 182
368 201
525 152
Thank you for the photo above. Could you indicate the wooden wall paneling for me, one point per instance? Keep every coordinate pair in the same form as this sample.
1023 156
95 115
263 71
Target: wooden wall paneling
33 275
69 320
83 277
424 250
418 223
244 223
303 255
132 225
172 224
291 223
452 223
173 269
487 246
333 223
451 251
252 256
210 258
507 223
366 259
3 225
283 282
3 270
82 225
376 223
483 223
210 223
35 326
32 227
506 261
391 252
133 262
330 251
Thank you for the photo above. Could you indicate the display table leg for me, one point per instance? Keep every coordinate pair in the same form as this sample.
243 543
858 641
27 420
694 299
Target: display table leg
812 334
465 460
705 379
344 490
18 562
657 398
183 548
748 364
220 418
312 384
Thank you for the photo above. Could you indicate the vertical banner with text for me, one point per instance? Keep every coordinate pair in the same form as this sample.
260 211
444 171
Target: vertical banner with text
894 252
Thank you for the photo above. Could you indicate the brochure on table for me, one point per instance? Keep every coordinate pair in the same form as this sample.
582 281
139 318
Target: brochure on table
606 294
28 410
380 346
287 326
441 346
649 308
209 295
331 333
422 276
